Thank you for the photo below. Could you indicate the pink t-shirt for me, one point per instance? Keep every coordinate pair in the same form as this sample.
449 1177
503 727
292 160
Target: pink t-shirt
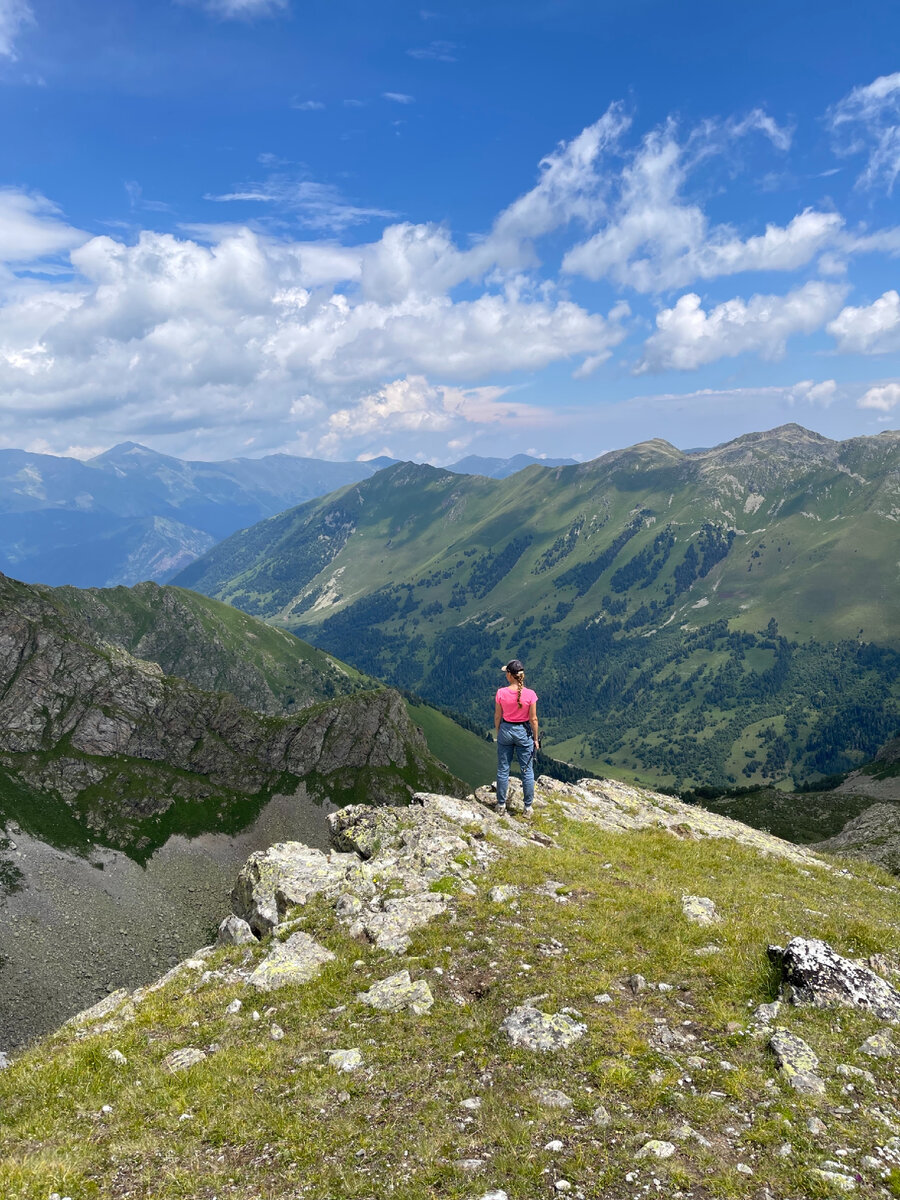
510 707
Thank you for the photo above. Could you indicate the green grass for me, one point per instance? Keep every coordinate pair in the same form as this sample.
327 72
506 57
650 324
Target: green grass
267 1120
467 756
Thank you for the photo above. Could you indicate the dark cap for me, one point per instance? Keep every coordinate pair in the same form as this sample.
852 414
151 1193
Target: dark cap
514 667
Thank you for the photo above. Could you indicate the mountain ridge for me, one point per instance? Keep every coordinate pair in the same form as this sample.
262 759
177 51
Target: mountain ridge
733 569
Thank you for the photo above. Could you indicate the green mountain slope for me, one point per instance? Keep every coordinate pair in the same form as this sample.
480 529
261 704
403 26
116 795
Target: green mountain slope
212 645
725 616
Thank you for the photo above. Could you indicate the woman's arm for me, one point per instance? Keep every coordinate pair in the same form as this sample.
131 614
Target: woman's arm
532 717
498 716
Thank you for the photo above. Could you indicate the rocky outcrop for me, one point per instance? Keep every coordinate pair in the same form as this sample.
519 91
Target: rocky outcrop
112 735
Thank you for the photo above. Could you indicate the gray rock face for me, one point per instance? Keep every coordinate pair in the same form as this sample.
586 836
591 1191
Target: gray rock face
287 874
536 1030
814 974
297 960
60 683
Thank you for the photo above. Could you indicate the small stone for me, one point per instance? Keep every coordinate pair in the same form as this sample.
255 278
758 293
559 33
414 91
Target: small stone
665 987
816 1127
765 1014
254 1016
233 1008
743 1169
844 1183
551 1098
117 1057
695 1062
499 1194
656 1149
637 983
563 1185
503 892
234 932
536 1030
871 1163
345 1060
107 1108
4 1061
276 1033
685 1133
796 1062
785 1150
879 1045
603 998
472 1103
703 950
398 992
700 910
600 1116
555 1146
846 1071
181 1060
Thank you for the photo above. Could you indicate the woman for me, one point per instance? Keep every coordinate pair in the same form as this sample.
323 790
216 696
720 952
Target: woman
516 727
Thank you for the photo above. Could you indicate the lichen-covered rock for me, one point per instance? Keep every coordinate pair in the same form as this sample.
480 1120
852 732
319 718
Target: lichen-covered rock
700 910
656 1149
345 1060
796 1062
536 1030
297 960
836 1179
181 1060
551 1098
391 927
287 874
815 974
503 892
398 992
879 1045
234 931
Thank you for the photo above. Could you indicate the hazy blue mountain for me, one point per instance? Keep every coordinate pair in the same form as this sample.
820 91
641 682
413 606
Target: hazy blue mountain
500 468
132 514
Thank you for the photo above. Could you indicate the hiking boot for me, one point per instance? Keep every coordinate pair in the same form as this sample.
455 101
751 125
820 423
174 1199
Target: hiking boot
500 809
527 812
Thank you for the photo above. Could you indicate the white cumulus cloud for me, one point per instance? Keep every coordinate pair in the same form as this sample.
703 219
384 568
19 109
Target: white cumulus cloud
869 329
654 240
687 336
883 398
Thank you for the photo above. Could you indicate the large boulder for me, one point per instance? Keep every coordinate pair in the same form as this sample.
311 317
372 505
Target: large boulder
813 973
297 960
287 874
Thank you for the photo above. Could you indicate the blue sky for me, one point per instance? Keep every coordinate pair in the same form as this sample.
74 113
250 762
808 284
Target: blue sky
240 226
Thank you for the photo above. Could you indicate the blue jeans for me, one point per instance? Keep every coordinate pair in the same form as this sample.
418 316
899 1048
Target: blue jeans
515 739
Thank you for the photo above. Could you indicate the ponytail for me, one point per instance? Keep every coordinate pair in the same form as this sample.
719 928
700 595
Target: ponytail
520 683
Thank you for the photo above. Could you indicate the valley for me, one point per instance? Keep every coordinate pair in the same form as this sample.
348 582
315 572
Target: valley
724 617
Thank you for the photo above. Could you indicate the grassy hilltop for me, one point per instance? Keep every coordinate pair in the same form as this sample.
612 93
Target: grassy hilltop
722 617
442 1104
